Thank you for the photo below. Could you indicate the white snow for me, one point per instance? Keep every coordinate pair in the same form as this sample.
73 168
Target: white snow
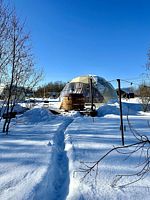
41 156
128 108
37 115
87 141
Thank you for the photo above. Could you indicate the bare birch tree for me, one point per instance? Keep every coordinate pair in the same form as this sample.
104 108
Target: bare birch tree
4 38
144 94
144 88
17 69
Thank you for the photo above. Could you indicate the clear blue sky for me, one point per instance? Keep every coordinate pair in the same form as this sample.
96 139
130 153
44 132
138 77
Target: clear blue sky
109 38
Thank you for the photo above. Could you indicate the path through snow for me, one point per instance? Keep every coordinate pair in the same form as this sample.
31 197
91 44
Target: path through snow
60 162
33 162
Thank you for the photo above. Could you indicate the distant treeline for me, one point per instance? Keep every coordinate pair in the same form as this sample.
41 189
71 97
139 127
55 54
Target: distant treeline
52 89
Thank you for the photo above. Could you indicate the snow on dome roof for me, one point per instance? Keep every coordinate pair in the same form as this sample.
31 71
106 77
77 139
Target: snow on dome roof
102 89
82 79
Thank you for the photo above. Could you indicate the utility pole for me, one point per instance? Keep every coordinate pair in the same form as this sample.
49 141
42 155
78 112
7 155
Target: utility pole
44 91
121 119
91 93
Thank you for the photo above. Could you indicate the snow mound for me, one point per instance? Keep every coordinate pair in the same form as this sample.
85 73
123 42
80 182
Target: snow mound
37 115
113 108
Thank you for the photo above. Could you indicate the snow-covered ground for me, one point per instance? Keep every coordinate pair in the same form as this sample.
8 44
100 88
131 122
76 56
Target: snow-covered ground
29 156
87 141
42 155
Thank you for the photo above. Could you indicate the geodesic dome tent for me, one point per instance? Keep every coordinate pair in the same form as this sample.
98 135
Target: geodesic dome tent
102 90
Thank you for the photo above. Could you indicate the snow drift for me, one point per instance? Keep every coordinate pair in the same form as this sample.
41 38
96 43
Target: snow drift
113 108
37 115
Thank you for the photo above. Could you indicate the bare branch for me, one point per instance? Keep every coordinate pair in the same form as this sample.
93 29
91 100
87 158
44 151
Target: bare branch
143 168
